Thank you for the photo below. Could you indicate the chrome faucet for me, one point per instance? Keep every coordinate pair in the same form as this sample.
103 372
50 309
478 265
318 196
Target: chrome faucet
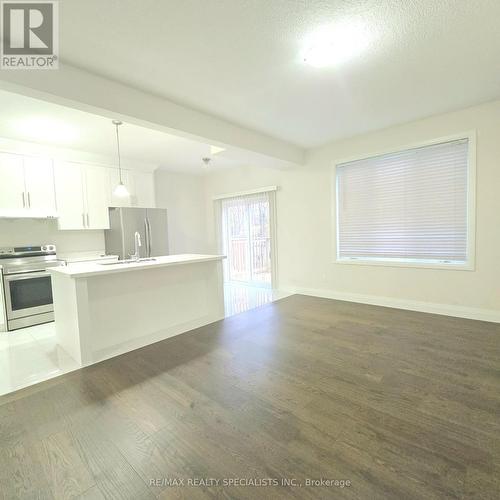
137 244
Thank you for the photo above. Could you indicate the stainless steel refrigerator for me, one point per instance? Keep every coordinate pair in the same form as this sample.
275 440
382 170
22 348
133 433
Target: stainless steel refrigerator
150 223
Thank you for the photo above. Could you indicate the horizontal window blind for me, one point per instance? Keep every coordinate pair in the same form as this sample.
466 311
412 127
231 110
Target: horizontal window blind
405 206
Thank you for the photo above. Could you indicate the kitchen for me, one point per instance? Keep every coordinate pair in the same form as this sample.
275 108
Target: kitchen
71 209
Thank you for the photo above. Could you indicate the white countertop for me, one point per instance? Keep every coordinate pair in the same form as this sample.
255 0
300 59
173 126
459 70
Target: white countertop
71 257
85 269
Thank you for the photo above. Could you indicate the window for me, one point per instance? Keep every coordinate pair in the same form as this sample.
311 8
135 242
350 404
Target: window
412 206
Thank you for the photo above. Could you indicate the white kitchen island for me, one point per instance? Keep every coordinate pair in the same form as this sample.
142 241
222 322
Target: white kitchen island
104 310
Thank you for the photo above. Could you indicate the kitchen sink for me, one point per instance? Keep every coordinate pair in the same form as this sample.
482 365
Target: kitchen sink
129 261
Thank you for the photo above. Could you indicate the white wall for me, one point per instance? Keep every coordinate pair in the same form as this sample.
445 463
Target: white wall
183 196
19 232
305 226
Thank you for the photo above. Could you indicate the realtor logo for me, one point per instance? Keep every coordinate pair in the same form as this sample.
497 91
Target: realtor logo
30 35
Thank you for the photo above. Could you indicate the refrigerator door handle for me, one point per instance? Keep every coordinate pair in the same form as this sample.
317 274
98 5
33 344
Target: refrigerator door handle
146 233
149 237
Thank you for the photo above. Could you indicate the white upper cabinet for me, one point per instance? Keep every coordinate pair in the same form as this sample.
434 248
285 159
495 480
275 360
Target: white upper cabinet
12 190
79 194
143 189
82 196
97 197
69 195
39 178
26 186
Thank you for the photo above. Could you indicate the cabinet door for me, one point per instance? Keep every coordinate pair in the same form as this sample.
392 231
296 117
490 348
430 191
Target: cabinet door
39 178
114 178
69 195
144 191
12 192
97 197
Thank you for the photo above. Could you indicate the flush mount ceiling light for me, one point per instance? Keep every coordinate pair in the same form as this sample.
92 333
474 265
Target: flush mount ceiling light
335 44
120 190
216 150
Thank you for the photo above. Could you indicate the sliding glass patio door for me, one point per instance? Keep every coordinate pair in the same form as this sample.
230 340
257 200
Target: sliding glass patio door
246 232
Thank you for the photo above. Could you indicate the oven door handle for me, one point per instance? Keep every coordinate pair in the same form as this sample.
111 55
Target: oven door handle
25 276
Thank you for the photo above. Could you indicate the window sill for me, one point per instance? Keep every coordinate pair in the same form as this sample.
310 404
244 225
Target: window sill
451 266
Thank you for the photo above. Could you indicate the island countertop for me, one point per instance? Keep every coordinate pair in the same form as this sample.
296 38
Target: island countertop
83 270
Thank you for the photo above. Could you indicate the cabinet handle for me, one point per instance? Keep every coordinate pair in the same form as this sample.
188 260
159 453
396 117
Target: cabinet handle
88 223
24 200
29 200
83 220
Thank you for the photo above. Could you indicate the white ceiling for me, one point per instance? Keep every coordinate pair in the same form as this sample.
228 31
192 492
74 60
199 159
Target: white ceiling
27 119
241 59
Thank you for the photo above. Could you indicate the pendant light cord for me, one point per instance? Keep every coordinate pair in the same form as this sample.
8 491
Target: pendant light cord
118 148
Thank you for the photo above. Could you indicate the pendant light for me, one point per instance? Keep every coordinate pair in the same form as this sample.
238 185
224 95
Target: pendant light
120 190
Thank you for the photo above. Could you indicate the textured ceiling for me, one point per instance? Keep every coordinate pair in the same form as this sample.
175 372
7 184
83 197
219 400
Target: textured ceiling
240 59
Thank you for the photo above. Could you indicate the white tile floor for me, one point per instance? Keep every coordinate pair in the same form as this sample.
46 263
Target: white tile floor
31 355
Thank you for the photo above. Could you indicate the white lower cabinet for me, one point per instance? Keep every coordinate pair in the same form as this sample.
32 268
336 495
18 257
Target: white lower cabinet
82 196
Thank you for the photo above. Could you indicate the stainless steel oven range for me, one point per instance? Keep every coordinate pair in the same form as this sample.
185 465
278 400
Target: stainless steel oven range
27 285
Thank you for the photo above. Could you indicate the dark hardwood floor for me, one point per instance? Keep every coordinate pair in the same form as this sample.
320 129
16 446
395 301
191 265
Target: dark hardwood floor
401 404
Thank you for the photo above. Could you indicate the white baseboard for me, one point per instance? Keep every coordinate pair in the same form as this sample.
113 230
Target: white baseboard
411 305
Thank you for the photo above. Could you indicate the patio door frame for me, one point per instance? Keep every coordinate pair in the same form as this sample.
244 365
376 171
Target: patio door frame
271 190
